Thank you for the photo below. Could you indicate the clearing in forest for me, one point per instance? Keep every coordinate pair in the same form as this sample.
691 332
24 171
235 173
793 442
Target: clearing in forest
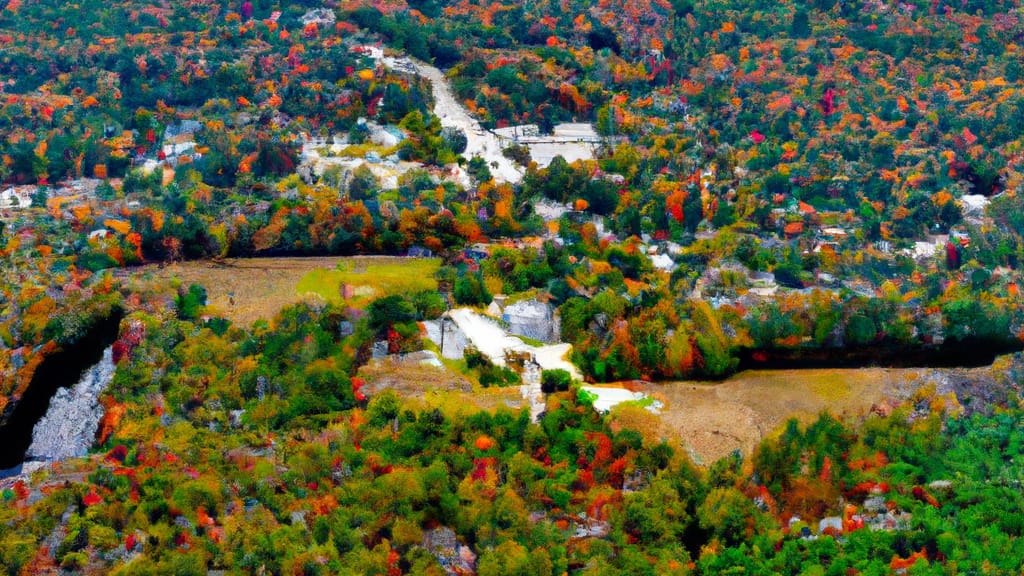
713 419
359 280
244 290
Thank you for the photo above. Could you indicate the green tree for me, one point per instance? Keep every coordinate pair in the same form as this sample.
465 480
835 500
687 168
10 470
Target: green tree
383 313
190 302
556 380
470 290
727 514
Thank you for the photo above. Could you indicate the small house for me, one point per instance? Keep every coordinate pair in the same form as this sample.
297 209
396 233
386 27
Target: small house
477 252
419 252
18 197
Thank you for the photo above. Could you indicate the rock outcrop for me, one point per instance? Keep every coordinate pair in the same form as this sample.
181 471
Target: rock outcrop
68 429
533 319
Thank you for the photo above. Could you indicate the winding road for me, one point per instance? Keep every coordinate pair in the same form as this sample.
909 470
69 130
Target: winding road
480 142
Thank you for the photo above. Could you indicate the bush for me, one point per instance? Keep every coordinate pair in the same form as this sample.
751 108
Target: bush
489 373
429 304
190 303
470 290
499 376
518 153
556 380
74 561
475 359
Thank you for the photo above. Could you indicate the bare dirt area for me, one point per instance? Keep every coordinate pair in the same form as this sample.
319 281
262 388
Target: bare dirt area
248 289
410 377
713 419
244 290
435 387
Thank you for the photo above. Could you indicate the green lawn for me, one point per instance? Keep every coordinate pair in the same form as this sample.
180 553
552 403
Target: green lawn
371 277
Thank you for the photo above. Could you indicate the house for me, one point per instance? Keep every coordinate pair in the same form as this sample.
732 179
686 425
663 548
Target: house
832 523
178 146
319 16
477 252
663 262
17 197
186 128
419 252
793 229
924 250
833 233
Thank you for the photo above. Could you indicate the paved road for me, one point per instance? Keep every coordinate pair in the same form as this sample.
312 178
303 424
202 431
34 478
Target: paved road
480 142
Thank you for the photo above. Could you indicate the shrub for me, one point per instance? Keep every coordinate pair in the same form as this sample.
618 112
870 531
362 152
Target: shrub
556 380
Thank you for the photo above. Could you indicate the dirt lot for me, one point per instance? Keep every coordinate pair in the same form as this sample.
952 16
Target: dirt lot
713 419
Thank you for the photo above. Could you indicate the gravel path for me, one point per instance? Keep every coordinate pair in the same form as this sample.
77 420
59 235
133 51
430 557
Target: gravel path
492 340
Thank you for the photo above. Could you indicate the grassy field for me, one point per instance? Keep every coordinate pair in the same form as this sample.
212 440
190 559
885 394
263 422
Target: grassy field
250 289
371 277
713 419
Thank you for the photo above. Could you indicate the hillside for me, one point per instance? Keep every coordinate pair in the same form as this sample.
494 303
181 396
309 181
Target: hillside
300 215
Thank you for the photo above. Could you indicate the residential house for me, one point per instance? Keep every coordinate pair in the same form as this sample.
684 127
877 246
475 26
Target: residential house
17 197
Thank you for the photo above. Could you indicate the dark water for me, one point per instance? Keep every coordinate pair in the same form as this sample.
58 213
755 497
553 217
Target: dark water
59 370
969 353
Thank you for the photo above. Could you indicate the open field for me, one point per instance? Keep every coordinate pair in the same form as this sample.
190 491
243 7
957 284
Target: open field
370 277
249 289
713 419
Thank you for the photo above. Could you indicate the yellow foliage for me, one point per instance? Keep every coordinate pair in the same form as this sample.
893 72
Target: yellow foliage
719 62
941 198
119 226
55 205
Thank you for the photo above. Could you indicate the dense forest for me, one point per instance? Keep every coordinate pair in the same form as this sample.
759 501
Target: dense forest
254 451
818 144
801 183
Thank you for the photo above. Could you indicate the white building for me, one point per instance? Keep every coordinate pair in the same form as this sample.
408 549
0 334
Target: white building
19 197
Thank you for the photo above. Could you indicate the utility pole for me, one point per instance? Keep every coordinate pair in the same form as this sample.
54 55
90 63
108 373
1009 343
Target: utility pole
443 318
